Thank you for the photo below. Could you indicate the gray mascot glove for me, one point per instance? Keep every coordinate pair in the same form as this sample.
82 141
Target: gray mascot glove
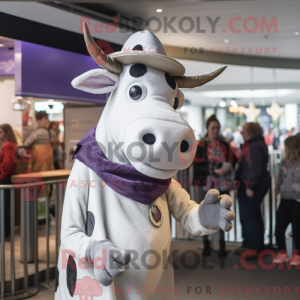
214 212
109 262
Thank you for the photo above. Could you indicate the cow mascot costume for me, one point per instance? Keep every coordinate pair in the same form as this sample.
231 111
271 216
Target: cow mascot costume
115 233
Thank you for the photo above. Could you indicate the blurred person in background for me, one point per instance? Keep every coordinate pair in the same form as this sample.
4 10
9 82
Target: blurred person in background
297 131
237 137
269 138
291 132
8 161
288 185
57 147
213 171
41 135
227 135
276 141
282 138
40 142
254 179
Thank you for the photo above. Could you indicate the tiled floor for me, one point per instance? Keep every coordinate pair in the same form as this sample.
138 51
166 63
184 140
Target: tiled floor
45 294
216 278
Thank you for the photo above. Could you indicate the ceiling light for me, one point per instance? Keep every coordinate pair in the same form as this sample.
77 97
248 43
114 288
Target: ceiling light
1 45
159 10
226 41
233 103
297 32
222 103
56 107
264 93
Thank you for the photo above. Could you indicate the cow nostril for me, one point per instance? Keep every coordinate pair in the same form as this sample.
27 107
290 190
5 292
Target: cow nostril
149 138
184 146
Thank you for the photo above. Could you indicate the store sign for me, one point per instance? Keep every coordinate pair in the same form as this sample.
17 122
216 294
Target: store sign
7 67
237 109
7 62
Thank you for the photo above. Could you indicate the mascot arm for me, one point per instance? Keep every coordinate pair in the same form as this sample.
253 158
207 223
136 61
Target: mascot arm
212 214
185 210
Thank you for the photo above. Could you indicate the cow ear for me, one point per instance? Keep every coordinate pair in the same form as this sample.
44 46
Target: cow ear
97 81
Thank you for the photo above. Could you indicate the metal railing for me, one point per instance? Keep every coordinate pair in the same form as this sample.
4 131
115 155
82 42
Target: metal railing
16 289
28 285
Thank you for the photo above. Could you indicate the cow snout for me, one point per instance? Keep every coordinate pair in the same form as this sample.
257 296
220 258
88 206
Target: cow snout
150 139
159 144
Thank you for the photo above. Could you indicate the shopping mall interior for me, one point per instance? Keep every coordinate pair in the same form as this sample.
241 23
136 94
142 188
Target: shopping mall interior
42 50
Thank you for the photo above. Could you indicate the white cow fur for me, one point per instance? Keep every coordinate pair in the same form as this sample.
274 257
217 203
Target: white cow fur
121 220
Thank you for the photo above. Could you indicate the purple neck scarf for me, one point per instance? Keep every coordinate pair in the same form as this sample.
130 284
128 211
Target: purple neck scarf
123 179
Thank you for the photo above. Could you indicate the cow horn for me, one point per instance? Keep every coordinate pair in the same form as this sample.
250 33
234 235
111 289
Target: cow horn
193 81
101 59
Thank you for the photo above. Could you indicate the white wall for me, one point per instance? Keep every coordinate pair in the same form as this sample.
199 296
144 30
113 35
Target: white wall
194 118
291 116
7 114
78 121
221 116
282 121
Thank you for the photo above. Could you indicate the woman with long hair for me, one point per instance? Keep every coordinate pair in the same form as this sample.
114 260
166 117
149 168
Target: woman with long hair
7 165
289 209
212 170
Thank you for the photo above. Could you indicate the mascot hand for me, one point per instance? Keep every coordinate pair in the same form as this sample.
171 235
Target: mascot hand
108 261
214 212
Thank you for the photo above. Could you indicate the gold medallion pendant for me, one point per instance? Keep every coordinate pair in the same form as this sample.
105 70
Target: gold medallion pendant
155 214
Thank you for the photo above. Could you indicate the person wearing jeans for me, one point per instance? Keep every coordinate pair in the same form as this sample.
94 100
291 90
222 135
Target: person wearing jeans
251 218
289 209
254 181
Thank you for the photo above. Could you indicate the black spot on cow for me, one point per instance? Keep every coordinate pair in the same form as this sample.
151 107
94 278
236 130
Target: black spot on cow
138 47
71 275
170 80
90 223
176 103
137 70
57 279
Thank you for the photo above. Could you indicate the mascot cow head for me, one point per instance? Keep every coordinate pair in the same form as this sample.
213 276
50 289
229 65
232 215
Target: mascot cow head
140 124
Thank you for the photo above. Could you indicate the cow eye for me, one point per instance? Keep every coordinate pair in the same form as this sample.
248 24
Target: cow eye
137 91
